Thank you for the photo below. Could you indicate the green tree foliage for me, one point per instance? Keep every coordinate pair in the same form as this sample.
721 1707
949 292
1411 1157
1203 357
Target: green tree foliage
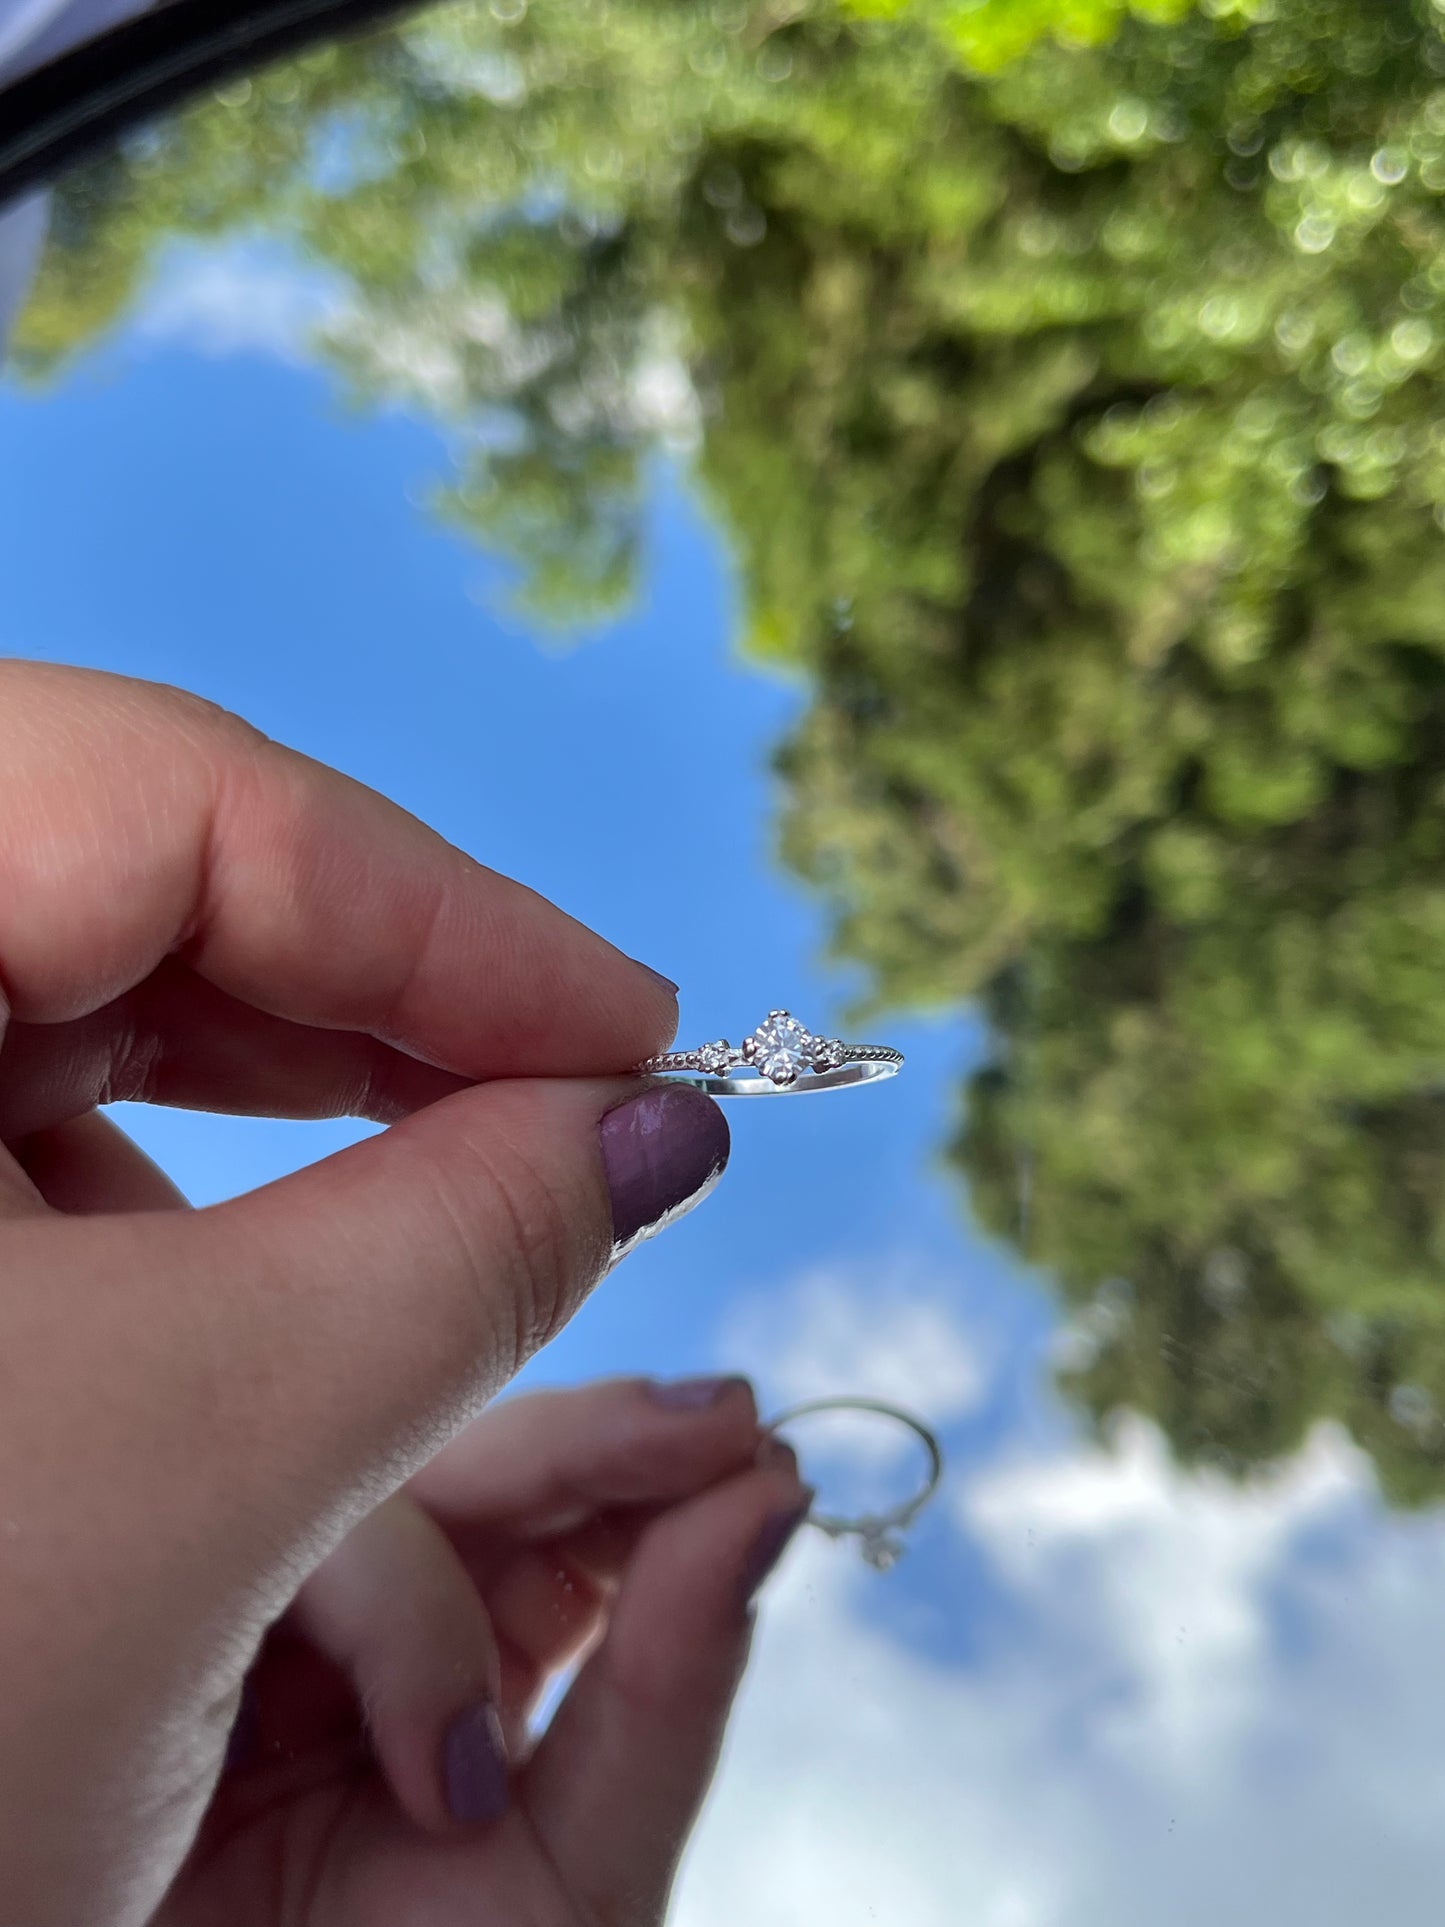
1128 643
988 35
1066 377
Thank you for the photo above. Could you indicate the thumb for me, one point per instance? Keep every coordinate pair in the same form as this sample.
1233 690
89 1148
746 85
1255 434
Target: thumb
258 1374
199 1405
388 1291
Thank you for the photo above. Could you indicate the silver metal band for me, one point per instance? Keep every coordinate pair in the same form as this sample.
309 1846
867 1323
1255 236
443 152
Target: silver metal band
879 1533
779 1057
750 1084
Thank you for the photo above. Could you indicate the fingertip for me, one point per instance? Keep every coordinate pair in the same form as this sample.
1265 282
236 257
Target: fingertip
704 1420
618 1777
695 1568
770 1541
776 1455
704 1394
668 988
661 995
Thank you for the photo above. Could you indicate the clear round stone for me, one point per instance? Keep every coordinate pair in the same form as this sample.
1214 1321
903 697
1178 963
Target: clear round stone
881 1551
714 1057
781 1048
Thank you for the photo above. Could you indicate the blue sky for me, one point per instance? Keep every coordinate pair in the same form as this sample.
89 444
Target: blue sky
1070 1703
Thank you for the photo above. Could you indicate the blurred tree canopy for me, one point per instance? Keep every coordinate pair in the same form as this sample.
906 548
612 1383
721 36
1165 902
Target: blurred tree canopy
1066 376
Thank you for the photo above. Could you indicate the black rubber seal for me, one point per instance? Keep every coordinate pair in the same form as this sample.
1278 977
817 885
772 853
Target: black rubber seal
89 97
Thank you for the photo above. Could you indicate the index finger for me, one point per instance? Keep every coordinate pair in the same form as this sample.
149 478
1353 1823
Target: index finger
143 822
543 1462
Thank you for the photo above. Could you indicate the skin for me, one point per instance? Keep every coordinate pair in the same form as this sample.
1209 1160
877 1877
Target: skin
247 1442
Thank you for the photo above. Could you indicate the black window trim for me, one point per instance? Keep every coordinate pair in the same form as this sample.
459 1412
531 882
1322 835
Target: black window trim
91 96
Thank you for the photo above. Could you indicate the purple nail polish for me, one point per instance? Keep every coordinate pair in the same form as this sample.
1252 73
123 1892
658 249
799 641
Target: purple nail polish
663 1151
666 982
474 1764
776 1455
770 1545
690 1394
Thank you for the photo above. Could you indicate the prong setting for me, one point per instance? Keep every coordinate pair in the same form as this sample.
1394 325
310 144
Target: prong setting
780 1047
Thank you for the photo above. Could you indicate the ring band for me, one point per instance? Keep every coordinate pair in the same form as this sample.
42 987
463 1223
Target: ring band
879 1533
780 1056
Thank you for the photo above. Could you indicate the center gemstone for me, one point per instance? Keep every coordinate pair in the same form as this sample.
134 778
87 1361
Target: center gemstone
782 1047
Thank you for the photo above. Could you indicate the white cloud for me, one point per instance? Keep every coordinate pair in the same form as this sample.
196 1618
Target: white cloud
236 300
1174 1698
889 1329
249 297
846 1796
665 402
1169 1569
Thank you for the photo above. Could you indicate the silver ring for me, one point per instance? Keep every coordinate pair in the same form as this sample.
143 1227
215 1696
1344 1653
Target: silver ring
879 1533
781 1055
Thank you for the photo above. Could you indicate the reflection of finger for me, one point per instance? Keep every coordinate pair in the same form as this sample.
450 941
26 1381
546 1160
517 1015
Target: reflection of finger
618 1778
89 1165
544 1463
394 1606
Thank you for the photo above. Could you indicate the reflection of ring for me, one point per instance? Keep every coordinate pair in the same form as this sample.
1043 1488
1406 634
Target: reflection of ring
879 1532
780 1055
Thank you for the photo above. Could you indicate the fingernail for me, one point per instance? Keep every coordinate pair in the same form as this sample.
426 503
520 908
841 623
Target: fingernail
663 1151
776 1455
770 1545
666 982
690 1394
474 1764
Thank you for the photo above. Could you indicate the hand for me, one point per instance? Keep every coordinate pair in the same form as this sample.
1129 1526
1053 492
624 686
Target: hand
198 1407
630 1518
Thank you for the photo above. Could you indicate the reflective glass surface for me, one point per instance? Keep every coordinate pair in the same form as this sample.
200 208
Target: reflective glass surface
929 513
